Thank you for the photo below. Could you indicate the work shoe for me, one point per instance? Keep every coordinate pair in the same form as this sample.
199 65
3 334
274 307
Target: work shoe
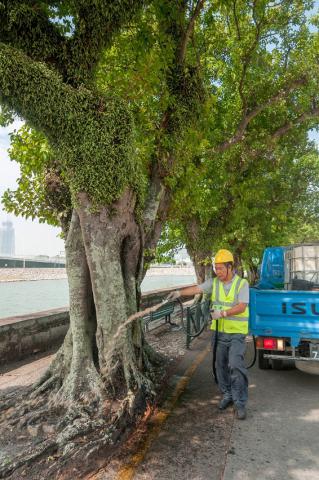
224 403
241 413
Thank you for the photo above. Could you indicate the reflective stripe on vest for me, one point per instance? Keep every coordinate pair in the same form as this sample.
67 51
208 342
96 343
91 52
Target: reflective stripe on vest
236 323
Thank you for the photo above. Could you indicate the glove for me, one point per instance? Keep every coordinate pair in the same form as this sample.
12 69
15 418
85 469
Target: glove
216 314
173 295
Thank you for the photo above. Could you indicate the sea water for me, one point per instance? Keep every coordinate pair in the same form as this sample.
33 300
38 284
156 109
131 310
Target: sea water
24 297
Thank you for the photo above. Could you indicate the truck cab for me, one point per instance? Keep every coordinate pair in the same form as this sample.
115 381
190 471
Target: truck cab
284 308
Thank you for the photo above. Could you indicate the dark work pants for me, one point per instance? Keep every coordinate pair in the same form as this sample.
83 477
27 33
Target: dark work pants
230 367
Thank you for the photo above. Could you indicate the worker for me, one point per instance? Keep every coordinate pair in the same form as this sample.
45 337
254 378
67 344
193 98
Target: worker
229 307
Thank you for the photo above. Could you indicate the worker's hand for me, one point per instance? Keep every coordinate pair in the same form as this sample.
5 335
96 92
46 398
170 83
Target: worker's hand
215 314
173 296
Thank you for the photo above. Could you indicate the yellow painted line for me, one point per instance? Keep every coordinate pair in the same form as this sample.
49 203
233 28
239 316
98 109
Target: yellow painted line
128 470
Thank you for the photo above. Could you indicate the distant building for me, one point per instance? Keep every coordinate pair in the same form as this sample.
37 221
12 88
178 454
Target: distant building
7 239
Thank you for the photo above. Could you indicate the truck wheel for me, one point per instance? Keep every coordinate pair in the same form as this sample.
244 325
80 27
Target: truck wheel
308 367
277 364
263 363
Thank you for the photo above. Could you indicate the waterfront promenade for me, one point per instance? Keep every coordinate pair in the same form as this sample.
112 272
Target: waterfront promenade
28 274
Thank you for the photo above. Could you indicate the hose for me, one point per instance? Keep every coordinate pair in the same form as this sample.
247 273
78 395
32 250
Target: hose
179 301
214 353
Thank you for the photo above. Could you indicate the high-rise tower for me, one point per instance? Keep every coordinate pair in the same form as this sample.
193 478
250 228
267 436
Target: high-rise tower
7 239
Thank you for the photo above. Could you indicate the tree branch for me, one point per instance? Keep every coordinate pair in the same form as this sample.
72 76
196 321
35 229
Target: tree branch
247 57
236 20
284 129
96 23
238 136
36 93
28 28
160 195
189 30
155 195
304 117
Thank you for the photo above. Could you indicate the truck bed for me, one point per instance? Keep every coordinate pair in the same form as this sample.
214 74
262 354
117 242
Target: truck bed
284 313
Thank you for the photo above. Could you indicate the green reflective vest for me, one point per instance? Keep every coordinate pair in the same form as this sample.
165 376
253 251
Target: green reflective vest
221 301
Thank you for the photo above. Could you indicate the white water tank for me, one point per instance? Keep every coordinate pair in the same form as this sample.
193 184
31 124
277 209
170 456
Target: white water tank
302 263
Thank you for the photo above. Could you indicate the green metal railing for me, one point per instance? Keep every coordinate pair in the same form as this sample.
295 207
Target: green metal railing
197 318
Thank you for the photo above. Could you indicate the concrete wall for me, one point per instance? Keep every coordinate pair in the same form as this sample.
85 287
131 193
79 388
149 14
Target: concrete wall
38 332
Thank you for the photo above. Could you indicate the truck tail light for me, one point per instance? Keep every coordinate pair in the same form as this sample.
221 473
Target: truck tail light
270 343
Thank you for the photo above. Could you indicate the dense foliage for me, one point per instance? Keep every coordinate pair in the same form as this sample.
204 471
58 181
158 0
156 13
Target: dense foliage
251 175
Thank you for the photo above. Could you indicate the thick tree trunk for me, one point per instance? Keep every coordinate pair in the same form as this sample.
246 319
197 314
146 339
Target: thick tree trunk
82 381
72 371
200 254
238 264
103 355
113 252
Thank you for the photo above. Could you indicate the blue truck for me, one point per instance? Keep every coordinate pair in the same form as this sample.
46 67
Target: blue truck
284 308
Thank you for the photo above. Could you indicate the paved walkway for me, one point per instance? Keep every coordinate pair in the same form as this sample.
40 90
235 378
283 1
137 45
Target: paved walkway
22 373
188 438
279 440
191 440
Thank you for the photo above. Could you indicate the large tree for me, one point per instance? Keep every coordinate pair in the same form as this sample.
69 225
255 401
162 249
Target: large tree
89 176
124 98
251 155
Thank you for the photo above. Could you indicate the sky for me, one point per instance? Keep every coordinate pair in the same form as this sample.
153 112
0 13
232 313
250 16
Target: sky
33 238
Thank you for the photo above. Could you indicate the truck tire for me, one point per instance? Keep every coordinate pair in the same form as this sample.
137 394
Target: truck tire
277 364
263 363
308 367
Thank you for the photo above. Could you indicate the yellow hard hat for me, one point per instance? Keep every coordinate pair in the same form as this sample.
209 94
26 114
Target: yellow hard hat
223 256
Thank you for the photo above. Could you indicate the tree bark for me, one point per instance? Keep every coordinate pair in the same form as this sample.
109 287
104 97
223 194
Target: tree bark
114 250
72 371
104 263
203 269
83 381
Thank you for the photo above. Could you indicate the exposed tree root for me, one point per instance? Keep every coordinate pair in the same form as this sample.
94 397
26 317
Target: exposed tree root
27 458
82 431
87 410
23 418
47 385
71 440
22 410
155 363
74 393
11 399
